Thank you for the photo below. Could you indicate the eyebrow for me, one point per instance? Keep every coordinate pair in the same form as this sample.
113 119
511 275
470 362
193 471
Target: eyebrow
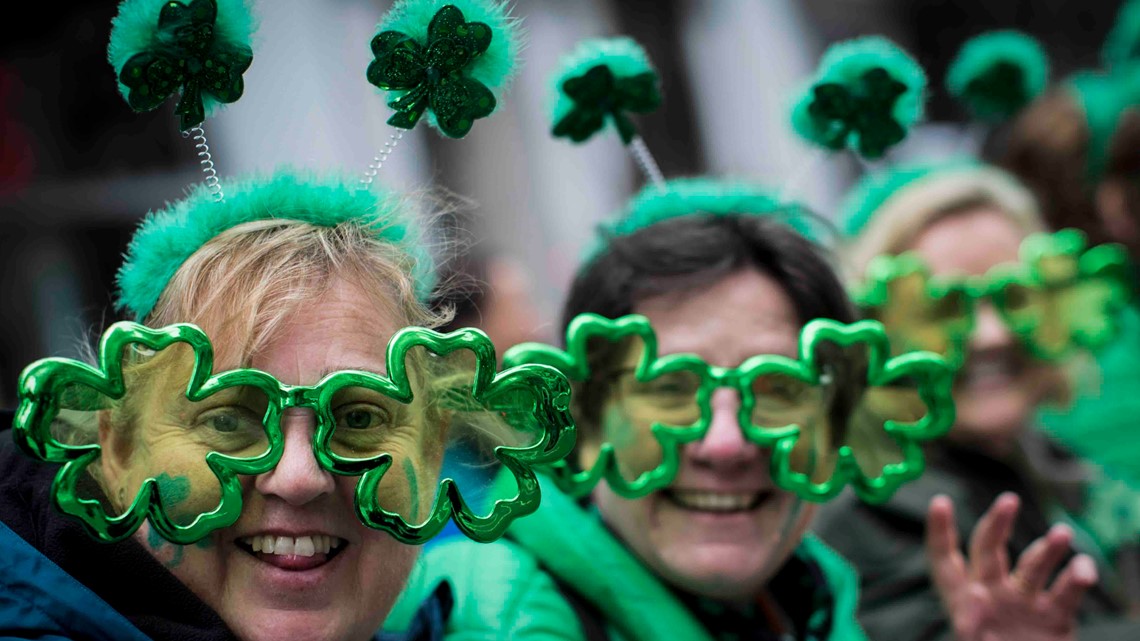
363 368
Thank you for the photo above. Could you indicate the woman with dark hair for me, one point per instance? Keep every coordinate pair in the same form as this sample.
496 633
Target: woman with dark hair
721 552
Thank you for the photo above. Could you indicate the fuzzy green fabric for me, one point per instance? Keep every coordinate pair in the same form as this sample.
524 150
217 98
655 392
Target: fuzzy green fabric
135 29
495 68
705 196
166 238
874 189
1122 45
844 64
1104 96
623 56
997 73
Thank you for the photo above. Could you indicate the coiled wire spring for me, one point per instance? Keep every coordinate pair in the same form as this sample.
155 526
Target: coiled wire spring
206 161
381 157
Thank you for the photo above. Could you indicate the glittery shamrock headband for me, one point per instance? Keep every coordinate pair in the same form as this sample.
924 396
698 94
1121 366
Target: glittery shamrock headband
450 60
840 413
1061 297
996 74
596 88
194 430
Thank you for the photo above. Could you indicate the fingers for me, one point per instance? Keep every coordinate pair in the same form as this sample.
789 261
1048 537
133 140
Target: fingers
1069 588
946 564
989 560
1040 559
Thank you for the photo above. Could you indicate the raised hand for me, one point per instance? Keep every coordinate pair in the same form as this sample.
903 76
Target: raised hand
984 600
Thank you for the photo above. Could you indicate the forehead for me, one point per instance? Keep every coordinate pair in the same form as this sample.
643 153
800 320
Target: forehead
344 328
969 243
743 314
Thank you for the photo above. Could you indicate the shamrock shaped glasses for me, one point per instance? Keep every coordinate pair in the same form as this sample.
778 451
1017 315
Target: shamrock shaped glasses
1060 297
842 412
152 433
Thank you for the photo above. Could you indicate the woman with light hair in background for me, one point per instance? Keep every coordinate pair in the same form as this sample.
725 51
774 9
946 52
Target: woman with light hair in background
960 220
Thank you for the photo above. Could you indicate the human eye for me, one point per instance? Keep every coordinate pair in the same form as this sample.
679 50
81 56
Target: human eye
361 416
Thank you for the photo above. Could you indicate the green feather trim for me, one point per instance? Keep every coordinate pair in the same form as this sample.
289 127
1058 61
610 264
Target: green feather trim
844 67
495 67
700 196
996 74
624 58
135 30
166 238
1104 97
1122 45
873 190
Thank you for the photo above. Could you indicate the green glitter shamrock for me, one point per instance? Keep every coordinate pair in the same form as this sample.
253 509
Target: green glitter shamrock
862 108
870 423
434 76
574 363
599 94
186 57
534 397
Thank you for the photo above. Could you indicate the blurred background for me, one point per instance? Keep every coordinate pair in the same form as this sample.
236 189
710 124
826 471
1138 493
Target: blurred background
78 169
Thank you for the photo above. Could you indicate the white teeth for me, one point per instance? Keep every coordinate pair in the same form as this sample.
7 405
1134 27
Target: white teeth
714 501
287 545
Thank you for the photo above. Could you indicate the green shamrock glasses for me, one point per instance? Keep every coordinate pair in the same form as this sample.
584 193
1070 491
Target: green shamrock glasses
840 413
151 432
1062 296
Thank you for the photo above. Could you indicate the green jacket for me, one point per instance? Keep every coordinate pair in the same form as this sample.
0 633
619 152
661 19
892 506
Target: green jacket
507 590
886 543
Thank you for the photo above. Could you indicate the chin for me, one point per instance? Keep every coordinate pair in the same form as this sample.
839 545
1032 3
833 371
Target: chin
296 626
720 571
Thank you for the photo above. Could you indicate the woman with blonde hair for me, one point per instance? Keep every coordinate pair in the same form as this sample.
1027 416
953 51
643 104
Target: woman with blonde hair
935 249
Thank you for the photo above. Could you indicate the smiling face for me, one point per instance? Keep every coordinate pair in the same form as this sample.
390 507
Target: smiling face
298 563
999 386
717 530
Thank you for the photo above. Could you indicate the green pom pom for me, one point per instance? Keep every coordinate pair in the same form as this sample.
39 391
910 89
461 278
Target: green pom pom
873 191
199 48
484 62
597 83
1122 45
166 238
996 74
866 95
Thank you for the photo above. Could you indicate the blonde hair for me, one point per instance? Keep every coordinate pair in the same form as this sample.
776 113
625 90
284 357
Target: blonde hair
896 224
247 281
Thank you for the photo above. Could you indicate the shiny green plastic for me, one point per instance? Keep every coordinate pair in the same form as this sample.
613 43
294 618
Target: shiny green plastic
1061 296
927 371
44 384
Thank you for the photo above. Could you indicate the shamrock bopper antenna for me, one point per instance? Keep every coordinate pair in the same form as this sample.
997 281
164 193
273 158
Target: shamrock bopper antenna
598 85
1122 46
865 96
446 61
997 73
197 48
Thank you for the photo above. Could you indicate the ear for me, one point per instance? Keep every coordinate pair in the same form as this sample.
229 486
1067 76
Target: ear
1112 206
116 446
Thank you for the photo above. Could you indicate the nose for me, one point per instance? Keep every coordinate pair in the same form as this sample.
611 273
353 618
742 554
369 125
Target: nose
990 331
724 446
297 479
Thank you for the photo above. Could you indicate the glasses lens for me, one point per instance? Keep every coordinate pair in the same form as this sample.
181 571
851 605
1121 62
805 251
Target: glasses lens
155 431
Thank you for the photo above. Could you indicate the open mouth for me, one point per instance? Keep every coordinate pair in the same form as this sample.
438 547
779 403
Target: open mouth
293 553
716 502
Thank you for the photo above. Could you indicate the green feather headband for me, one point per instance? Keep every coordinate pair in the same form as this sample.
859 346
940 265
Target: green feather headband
865 96
873 191
996 74
200 48
597 83
682 197
451 60
167 238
